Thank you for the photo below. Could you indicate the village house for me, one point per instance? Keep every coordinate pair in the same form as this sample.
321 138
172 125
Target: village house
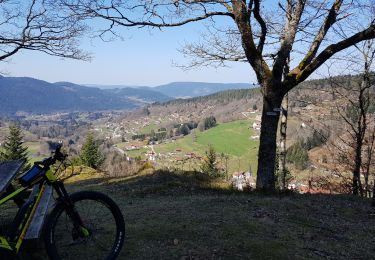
256 126
243 180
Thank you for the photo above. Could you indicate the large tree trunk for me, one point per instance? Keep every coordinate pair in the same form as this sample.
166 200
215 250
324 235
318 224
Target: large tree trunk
267 146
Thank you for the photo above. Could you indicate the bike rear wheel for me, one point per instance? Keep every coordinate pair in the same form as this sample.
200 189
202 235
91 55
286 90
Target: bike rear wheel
100 235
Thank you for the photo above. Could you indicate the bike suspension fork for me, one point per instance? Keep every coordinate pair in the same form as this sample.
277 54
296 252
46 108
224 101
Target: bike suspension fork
68 204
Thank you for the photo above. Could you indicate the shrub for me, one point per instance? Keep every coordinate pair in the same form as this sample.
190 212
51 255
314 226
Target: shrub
297 154
318 138
184 129
209 122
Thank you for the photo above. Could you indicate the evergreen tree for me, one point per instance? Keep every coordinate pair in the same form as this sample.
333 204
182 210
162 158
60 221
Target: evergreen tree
90 154
209 164
13 148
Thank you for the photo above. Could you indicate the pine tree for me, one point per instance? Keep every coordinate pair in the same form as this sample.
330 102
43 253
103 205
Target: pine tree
90 154
13 148
209 165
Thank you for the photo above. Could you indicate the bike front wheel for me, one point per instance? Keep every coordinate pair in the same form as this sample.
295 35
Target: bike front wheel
99 233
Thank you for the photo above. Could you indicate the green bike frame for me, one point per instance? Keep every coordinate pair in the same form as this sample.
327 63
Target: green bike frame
15 245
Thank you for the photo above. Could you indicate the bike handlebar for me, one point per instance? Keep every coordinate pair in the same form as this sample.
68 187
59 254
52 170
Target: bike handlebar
57 156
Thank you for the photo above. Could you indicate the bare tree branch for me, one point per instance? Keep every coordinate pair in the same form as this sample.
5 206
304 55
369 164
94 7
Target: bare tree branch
296 76
289 34
329 21
34 25
262 24
119 13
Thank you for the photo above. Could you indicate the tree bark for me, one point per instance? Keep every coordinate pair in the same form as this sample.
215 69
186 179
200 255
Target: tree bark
267 146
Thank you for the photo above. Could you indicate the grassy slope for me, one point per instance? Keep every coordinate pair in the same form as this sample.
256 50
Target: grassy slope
134 153
231 138
174 216
147 129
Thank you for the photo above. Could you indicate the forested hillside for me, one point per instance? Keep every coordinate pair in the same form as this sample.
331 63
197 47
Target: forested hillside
34 96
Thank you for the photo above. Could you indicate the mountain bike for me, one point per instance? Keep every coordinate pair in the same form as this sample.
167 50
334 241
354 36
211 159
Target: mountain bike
82 225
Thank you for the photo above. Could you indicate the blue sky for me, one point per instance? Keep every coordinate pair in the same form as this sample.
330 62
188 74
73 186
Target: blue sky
144 57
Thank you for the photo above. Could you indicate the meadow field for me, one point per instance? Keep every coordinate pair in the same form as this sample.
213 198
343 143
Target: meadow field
232 139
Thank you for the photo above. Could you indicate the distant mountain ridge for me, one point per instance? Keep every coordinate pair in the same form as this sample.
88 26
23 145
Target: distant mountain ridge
25 94
119 86
195 89
184 89
146 95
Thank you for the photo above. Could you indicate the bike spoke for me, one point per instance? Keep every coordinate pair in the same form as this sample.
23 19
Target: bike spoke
98 220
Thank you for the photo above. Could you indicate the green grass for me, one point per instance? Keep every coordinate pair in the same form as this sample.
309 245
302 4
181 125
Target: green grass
231 138
121 144
147 129
186 216
135 153
33 147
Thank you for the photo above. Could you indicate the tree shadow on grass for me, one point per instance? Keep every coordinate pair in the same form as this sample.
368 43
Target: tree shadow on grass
161 182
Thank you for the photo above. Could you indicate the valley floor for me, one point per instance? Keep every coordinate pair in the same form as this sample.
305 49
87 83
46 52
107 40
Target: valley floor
187 216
